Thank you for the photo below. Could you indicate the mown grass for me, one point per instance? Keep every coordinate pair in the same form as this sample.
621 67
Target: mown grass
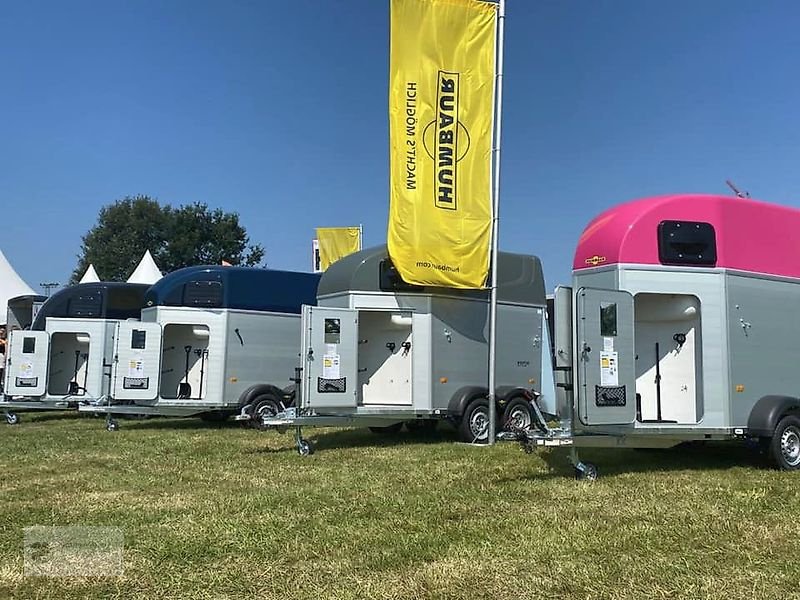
228 512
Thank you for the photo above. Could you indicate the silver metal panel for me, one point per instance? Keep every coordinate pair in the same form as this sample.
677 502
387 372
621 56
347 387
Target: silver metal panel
137 361
762 324
330 356
26 363
563 326
259 348
605 375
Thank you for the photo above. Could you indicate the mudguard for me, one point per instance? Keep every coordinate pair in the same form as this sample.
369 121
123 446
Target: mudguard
768 411
258 389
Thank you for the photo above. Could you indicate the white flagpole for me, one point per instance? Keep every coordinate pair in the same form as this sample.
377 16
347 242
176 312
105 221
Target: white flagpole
501 17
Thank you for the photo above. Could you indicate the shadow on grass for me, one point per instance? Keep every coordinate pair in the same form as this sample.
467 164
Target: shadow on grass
154 422
43 416
716 456
339 439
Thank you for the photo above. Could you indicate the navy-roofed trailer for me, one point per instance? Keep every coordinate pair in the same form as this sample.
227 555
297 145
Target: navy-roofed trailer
381 353
213 341
63 356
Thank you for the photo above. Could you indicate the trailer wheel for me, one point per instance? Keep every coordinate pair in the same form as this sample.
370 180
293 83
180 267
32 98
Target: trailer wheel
474 426
304 448
518 415
12 418
785 445
111 425
264 406
392 429
587 473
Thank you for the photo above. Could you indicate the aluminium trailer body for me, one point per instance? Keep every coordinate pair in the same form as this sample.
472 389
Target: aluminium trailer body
64 359
680 325
213 341
378 352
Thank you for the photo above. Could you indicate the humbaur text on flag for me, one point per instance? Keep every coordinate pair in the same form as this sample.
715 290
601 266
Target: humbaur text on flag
441 103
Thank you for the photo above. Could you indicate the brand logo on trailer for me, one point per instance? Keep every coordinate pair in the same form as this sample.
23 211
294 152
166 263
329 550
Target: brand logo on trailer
446 141
595 260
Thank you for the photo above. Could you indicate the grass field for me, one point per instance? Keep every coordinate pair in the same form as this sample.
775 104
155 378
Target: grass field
228 512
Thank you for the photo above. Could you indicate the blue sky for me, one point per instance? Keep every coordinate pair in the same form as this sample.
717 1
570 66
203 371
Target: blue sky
278 110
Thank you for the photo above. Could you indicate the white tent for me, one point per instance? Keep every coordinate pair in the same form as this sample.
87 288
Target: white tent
146 271
11 285
90 276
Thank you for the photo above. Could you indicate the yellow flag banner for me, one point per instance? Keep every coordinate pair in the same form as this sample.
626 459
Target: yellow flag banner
337 242
441 104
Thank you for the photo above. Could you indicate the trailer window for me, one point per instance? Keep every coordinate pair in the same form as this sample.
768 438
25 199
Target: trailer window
28 345
608 319
333 331
390 280
687 243
138 338
203 293
86 305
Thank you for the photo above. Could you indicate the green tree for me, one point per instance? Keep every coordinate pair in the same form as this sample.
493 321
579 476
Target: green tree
176 237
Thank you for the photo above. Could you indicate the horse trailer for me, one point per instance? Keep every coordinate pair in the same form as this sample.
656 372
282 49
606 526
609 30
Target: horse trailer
64 359
379 352
678 327
212 341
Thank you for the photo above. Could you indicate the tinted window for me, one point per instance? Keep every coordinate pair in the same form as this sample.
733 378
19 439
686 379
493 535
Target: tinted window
203 293
138 339
124 302
390 280
88 304
687 243
608 319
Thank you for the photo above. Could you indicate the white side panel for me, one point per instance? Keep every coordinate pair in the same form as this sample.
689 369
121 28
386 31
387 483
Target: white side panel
713 393
385 358
26 363
137 361
330 352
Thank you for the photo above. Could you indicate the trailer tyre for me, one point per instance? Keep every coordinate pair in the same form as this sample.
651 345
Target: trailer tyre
587 473
264 405
518 415
12 418
304 448
474 426
785 445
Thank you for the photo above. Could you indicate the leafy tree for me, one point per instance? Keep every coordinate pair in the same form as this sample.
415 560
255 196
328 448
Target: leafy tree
176 237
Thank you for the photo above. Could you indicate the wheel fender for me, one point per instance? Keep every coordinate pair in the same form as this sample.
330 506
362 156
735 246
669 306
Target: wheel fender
768 411
254 391
462 397
507 393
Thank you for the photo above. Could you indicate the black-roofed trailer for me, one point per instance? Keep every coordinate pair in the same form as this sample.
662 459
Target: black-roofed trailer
378 352
212 341
65 358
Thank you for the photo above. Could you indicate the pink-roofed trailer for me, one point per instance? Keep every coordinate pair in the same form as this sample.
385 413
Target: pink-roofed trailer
681 324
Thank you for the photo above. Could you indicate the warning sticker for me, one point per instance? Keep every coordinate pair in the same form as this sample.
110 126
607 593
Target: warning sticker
330 366
609 374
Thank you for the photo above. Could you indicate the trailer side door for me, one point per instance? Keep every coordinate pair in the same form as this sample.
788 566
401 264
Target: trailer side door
26 363
137 361
330 357
605 359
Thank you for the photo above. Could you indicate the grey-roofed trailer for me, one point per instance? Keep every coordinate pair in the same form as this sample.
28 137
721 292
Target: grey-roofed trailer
65 358
680 325
379 352
213 341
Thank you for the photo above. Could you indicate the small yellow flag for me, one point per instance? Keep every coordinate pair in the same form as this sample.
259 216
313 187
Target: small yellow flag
441 106
337 242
